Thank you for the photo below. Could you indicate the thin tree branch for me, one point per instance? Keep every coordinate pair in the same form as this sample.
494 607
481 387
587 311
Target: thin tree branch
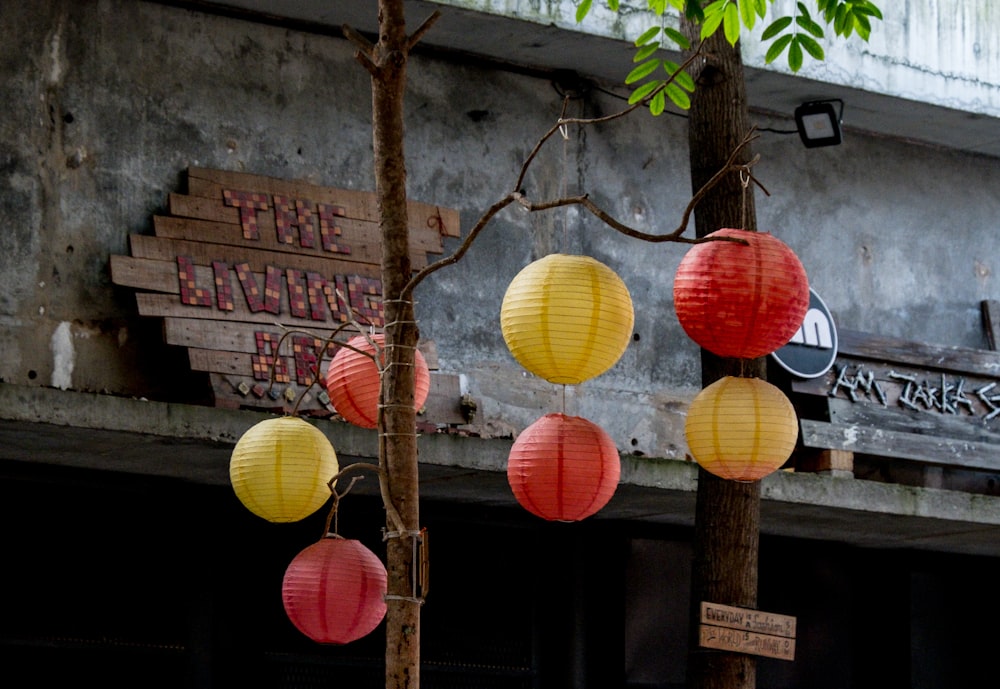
422 29
365 51
562 122
457 255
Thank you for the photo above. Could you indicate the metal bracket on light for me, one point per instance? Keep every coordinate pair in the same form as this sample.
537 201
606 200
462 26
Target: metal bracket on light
819 123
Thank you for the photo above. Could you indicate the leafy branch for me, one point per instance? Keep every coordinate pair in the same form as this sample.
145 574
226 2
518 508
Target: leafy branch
797 34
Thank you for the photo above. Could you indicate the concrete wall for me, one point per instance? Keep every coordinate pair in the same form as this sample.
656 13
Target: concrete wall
945 52
109 101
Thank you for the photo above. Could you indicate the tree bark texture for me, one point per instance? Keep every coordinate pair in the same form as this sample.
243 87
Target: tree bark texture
727 513
397 427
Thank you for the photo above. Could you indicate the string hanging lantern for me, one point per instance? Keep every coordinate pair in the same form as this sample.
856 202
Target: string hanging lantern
280 467
353 381
334 590
741 428
563 468
741 300
567 318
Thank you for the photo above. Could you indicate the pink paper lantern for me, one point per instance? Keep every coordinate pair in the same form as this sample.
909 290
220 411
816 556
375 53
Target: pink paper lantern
334 591
741 301
563 468
352 382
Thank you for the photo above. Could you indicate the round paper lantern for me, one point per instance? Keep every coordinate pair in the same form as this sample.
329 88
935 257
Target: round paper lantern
563 468
280 469
567 318
741 428
352 381
334 591
741 300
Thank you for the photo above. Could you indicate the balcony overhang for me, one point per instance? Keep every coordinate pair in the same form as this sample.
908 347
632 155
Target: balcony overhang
42 428
465 32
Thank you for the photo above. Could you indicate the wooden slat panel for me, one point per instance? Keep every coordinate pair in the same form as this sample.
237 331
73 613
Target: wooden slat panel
853 344
142 273
232 336
167 306
863 439
160 249
926 423
357 204
361 237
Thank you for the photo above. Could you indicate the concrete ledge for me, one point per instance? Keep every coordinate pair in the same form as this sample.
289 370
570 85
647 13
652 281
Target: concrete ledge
44 426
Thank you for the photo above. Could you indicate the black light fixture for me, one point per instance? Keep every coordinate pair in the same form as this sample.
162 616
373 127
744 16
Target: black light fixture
819 123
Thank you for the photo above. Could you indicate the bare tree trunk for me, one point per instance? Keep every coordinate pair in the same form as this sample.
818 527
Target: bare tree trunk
397 428
727 514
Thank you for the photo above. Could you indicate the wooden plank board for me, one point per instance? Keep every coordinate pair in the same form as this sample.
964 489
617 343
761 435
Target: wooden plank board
990 310
231 336
203 254
927 423
864 439
853 344
166 305
143 273
747 619
734 640
361 205
359 236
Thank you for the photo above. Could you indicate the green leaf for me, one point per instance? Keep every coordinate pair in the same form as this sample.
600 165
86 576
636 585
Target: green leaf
863 26
679 97
613 5
810 26
657 104
643 91
582 9
777 48
776 27
841 25
731 25
642 71
748 13
811 46
647 35
645 51
677 37
681 78
761 7
714 15
795 54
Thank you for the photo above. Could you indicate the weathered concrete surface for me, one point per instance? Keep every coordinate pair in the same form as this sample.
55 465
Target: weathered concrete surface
194 443
117 98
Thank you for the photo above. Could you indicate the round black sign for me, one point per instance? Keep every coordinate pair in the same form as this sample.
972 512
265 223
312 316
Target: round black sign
813 349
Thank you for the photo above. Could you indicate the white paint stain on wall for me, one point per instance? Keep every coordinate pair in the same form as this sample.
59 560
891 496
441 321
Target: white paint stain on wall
63 356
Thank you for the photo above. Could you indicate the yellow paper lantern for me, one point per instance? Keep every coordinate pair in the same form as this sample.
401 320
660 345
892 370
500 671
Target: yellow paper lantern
567 318
280 469
741 428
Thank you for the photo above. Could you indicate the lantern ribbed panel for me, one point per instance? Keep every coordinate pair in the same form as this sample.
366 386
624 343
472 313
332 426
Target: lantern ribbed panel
280 467
567 318
334 591
741 428
352 382
563 468
741 301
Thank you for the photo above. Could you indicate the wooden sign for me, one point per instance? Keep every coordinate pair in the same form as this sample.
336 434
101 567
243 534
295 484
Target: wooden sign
741 630
253 275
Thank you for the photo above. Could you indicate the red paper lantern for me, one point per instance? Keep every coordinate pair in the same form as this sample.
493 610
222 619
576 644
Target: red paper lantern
741 300
334 591
352 381
563 468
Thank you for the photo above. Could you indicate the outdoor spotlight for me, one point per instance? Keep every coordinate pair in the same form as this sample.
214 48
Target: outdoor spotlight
819 123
